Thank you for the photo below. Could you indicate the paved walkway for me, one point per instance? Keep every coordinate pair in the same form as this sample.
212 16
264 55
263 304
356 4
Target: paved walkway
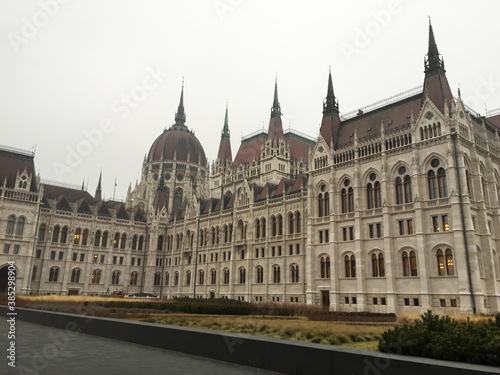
46 350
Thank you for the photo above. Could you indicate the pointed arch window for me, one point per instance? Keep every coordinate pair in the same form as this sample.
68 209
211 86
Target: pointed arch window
85 237
280 225
141 241
436 181
75 275
96 277
104 239
276 274
291 223
54 274
323 202
188 277
403 187
409 260
378 265
10 224
20 226
260 274
41 232
201 277
97 238
273 226
445 262
115 278
134 277
64 234
123 241
294 270
55 234
373 192
347 197
350 266
242 275
324 265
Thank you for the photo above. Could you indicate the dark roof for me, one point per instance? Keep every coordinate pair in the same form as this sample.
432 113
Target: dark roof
177 143
393 116
72 195
13 162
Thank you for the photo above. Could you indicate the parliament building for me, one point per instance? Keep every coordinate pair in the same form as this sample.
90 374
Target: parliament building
392 208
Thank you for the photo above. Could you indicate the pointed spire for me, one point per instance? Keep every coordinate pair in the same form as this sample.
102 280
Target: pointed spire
83 184
225 129
330 105
98 190
276 110
180 116
433 61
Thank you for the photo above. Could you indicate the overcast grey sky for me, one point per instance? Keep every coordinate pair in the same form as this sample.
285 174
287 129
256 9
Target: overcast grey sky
92 83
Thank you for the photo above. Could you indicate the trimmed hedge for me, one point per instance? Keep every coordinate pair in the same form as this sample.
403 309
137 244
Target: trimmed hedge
447 339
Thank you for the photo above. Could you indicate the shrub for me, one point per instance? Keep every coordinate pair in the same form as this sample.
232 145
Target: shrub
447 339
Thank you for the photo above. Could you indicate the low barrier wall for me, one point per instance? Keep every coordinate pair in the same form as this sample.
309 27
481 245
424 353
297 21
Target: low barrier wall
283 356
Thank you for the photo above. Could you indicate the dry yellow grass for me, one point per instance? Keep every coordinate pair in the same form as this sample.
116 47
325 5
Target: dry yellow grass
407 318
65 299
292 328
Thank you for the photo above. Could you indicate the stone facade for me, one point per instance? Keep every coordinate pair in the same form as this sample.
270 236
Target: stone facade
390 209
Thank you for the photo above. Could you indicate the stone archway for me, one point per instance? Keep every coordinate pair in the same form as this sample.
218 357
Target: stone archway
4 273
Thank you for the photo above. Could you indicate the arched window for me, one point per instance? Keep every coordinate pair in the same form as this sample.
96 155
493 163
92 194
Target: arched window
468 179
104 239
34 273
55 234
409 263
273 225
436 181
123 241
445 262
496 264
323 202
134 242
276 274
350 266
297 222
188 277
96 277
347 197
157 280
53 274
213 236
167 278
263 221
10 224
141 241
64 234
260 274
225 229
177 198
213 277
373 192
291 223
378 265
97 238
85 237
41 232
201 277
324 264
78 233
134 276
160 243
294 270
116 240
176 278
403 187
20 226
280 225
75 275
242 275
257 228
226 276
115 278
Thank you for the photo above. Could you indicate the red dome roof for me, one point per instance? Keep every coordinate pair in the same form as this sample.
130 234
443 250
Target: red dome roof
177 143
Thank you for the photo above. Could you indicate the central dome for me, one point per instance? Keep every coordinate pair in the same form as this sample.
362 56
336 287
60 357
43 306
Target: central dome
177 143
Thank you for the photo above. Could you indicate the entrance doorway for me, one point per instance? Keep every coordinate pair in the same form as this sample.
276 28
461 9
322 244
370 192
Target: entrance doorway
4 273
325 299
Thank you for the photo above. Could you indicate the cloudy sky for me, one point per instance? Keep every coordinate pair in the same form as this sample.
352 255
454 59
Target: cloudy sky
91 84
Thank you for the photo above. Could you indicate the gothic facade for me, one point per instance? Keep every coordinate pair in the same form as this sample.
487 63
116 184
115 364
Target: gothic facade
391 209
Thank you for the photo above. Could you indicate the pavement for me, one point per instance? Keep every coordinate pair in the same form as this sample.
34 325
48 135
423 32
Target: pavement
41 349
